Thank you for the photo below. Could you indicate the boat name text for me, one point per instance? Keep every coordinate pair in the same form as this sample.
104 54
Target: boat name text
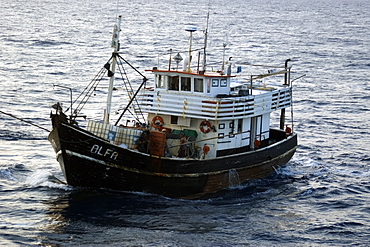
99 150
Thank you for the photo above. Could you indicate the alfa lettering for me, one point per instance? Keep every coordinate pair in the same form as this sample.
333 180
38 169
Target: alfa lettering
96 149
99 150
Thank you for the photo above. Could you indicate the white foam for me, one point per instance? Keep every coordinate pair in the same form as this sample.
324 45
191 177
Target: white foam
7 174
38 177
45 179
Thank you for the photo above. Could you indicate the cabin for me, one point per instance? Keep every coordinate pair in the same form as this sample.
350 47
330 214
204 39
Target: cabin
216 118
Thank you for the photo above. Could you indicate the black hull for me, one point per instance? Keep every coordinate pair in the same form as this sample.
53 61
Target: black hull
89 161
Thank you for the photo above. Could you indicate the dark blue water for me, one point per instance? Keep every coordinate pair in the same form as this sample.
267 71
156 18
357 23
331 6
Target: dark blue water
321 198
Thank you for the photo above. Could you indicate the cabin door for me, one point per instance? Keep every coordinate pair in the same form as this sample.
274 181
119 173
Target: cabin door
241 127
255 130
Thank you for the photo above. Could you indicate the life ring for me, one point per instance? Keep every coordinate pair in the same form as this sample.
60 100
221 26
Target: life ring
157 122
205 127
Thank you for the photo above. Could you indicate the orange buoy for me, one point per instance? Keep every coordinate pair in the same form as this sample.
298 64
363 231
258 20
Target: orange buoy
257 143
157 122
206 149
205 127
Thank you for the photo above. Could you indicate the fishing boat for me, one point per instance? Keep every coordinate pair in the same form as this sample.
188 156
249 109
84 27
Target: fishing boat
190 133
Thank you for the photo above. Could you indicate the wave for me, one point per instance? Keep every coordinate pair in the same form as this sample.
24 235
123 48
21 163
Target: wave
44 43
340 228
7 174
43 178
9 135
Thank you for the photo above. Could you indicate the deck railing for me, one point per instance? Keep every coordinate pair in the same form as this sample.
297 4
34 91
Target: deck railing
210 108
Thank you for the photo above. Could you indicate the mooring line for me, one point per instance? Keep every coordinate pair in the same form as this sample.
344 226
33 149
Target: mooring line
21 119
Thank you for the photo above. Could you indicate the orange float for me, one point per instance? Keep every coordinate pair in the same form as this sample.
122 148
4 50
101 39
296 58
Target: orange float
157 122
205 127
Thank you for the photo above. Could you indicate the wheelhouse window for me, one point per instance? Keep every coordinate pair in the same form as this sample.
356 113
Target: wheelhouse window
223 82
159 82
174 119
215 82
198 85
185 84
173 83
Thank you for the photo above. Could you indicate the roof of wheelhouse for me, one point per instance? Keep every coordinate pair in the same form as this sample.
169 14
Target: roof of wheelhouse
206 74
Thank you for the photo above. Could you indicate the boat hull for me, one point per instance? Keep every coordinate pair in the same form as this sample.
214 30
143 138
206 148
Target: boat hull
89 161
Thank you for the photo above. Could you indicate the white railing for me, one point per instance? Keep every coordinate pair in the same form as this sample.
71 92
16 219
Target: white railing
210 108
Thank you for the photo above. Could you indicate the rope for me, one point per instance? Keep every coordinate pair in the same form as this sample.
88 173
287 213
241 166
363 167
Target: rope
211 138
21 119
132 91
89 90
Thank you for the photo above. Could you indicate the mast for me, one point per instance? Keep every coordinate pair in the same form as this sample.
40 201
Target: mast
115 45
286 83
223 55
205 44
190 29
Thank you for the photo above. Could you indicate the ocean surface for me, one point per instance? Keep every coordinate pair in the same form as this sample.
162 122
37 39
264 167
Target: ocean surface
322 196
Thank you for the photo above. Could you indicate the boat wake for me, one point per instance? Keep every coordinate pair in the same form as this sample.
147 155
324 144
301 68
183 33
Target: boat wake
300 172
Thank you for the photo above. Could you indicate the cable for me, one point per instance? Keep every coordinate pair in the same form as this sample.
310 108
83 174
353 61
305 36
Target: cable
21 119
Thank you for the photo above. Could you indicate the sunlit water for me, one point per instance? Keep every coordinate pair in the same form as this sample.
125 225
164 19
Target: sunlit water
321 198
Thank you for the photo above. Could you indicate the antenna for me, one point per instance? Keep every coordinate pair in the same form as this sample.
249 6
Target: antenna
223 56
117 9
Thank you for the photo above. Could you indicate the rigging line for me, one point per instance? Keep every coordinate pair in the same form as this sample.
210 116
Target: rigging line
133 97
137 91
126 82
97 78
88 86
91 89
138 106
86 91
132 67
123 72
132 90
83 102
298 78
134 115
23 120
